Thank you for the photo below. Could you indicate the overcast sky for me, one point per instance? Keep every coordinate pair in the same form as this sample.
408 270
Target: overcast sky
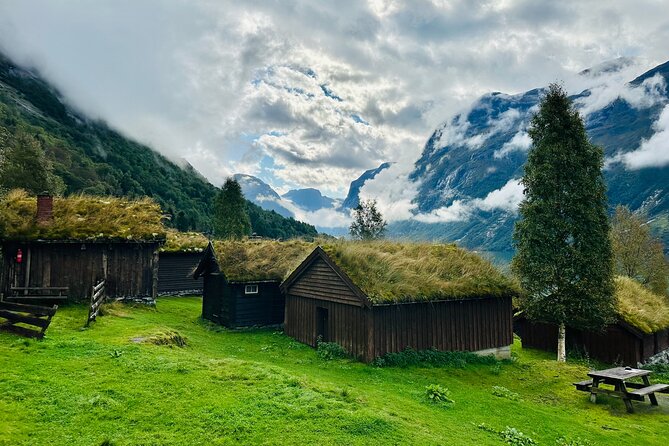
309 93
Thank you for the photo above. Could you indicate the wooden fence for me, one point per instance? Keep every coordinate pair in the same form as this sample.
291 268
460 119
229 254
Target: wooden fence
97 297
34 319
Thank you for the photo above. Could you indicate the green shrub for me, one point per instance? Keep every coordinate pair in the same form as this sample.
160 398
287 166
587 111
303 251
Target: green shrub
514 437
432 357
438 394
330 350
503 392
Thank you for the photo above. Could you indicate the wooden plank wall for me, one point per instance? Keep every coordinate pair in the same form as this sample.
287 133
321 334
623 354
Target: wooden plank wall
213 298
347 324
615 345
462 325
129 267
264 308
175 272
319 281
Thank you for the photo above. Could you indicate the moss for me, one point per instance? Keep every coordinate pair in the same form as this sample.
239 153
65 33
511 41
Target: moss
81 217
399 272
184 242
639 307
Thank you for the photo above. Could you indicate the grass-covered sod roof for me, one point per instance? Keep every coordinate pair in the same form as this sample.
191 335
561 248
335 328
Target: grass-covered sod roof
249 260
404 272
639 307
385 271
184 242
81 217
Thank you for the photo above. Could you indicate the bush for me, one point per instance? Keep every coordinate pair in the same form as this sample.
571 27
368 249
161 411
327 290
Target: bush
168 337
438 394
503 392
514 437
432 357
330 350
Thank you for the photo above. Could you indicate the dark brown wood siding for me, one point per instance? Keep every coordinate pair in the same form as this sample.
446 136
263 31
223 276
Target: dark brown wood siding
458 325
227 303
175 272
128 267
346 324
614 345
319 281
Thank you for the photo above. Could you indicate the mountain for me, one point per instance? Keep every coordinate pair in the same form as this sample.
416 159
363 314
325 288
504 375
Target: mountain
309 199
92 158
262 194
467 172
353 197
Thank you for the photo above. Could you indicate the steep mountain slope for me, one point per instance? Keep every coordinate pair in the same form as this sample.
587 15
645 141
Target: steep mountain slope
470 163
94 159
353 197
262 194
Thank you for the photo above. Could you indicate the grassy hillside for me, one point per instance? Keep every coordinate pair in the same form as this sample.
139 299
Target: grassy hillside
91 158
110 384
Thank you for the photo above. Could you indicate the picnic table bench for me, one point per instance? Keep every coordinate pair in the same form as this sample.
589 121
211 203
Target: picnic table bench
618 378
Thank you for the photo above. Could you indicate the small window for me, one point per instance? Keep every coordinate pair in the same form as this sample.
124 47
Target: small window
251 289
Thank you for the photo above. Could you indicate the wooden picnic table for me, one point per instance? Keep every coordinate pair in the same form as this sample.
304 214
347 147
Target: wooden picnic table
618 378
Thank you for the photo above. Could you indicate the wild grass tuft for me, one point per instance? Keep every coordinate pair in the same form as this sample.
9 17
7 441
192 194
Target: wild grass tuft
639 307
81 217
168 337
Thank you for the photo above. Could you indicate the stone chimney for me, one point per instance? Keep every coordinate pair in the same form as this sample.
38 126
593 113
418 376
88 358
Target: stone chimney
44 208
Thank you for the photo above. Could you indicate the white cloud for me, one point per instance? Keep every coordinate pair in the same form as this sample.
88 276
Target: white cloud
521 141
507 198
654 151
393 191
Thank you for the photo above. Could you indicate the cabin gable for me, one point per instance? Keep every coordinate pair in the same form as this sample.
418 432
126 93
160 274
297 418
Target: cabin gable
319 278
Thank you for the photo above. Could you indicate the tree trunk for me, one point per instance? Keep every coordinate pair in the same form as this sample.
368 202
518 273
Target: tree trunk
561 347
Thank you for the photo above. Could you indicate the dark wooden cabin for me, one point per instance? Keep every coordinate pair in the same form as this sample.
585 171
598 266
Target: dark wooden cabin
241 281
324 301
175 273
640 331
59 254
619 343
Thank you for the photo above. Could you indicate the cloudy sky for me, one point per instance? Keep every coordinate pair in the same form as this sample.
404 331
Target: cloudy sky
305 93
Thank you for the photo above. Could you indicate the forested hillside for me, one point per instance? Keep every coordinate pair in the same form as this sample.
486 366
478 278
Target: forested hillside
91 158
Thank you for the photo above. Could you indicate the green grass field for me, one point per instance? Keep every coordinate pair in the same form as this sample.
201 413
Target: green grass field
106 385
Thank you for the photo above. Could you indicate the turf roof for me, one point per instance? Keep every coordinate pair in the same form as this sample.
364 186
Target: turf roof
184 242
639 307
251 260
390 272
81 218
385 271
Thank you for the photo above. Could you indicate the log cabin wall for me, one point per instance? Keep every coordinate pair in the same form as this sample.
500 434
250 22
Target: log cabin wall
175 273
128 267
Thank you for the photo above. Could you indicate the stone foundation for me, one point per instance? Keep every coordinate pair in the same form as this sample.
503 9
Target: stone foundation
497 352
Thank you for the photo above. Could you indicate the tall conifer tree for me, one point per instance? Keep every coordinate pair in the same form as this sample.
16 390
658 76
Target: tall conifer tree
231 218
563 251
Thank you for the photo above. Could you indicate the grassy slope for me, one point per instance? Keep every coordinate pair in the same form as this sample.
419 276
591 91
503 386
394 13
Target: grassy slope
261 387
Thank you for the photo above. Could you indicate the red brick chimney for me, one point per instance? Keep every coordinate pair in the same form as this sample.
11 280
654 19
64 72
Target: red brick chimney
44 208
